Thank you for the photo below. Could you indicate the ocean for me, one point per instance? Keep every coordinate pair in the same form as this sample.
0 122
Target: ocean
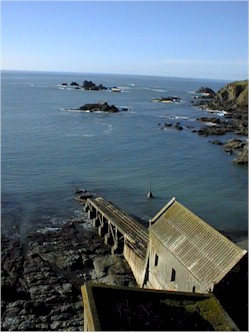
49 150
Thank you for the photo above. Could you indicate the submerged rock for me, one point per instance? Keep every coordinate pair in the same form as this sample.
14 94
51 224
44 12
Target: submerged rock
169 99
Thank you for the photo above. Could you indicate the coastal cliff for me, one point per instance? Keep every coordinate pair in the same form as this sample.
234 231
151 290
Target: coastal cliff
233 94
232 100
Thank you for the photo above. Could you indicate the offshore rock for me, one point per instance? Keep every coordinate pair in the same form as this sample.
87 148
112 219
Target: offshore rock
104 107
169 99
177 126
74 84
209 93
41 278
89 85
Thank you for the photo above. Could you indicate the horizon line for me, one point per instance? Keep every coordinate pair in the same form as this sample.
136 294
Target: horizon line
127 74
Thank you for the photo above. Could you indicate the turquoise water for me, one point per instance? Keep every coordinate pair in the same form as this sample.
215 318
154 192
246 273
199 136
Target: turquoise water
48 150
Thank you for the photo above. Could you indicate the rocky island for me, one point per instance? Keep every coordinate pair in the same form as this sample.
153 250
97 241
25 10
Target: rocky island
94 107
87 85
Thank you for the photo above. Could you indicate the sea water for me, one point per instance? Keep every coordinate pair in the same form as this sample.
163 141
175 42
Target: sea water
49 149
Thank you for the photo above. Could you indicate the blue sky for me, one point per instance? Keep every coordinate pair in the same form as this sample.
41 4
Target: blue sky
200 39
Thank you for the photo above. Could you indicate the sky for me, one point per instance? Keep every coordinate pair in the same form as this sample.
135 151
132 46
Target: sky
196 39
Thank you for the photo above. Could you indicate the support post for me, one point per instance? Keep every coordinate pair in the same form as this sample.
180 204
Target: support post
92 213
103 229
108 239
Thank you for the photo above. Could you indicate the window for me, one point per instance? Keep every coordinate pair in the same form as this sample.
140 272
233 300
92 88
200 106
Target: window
156 259
193 289
173 275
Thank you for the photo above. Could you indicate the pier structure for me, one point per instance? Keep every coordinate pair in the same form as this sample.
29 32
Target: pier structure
178 252
120 231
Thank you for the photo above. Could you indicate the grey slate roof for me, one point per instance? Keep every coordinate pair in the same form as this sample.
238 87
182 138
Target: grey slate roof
205 252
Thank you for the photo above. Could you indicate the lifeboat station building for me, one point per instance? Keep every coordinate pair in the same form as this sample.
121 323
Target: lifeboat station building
185 254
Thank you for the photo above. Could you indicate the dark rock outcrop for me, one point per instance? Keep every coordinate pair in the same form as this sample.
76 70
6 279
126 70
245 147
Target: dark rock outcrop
89 85
233 101
242 157
169 99
176 126
207 91
74 84
105 107
41 279
240 147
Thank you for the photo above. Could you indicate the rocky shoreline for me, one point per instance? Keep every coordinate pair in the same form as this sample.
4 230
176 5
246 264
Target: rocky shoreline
228 113
43 273
41 277
232 101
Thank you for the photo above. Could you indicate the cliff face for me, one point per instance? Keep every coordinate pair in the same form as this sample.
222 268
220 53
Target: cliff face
233 100
234 93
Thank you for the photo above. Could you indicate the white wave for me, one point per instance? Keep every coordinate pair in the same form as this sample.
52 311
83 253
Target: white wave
88 135
221 113
215 111
210 123
123 88
154 89
109 130
48 229
63 87
124 108
180 117
77 110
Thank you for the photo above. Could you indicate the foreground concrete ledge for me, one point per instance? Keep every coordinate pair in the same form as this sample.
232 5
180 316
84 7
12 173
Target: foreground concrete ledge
112 308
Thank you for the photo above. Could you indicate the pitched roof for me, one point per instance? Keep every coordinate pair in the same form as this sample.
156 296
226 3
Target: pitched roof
205 252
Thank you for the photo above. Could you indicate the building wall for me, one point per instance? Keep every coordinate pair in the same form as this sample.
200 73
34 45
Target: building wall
166 272
135 262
